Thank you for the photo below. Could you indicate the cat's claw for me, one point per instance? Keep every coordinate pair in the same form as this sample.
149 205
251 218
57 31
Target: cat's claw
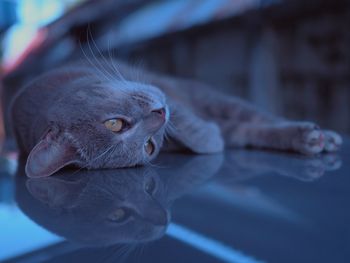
311 140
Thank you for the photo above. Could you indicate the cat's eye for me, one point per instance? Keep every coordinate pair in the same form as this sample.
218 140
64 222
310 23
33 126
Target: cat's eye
149 147
119 215
150 186
115 125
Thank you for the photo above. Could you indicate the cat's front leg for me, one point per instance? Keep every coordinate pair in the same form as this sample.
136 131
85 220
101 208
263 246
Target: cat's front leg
189 131
255 163
303 137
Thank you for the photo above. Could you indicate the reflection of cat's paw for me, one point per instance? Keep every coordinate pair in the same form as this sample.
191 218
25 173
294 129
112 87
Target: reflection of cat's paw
310 139
333 141
331 162
314 169
317 167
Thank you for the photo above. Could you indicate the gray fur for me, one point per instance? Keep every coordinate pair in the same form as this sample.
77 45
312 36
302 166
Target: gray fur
58 119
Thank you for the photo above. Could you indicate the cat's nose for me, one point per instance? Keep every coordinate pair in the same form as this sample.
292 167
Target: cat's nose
156 119
160 112
158 217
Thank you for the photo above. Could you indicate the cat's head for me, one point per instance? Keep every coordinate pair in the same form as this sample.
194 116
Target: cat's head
98 207
101 124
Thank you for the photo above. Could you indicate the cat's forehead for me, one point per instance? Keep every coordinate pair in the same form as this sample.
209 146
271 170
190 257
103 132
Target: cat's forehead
119 90
134 89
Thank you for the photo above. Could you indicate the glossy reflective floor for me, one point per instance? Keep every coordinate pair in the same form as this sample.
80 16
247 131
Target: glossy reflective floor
240 206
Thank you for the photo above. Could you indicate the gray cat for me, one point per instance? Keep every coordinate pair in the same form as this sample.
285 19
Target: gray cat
106 114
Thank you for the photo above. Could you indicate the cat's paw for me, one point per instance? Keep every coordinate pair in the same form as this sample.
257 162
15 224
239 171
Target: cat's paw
333 141
309 140
312 140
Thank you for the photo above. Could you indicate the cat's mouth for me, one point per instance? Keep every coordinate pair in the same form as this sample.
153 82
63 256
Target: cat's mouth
149 146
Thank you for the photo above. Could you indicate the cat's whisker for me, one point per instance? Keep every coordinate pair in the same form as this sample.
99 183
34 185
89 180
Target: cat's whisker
171 125
112 62
107 63
91 63
124 252
103 69
100 68
119 251
139 251
106 189
139 72
103 190
100 155
167 137
126 151
152 164
95 65
94 159
170 129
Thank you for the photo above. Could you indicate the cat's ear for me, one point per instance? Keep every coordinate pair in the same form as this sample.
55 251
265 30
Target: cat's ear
52 153
54 192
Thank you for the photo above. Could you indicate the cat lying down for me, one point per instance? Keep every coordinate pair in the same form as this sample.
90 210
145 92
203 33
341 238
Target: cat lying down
105 114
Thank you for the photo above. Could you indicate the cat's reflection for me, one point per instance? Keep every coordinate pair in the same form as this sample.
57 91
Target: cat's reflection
105 207
245 164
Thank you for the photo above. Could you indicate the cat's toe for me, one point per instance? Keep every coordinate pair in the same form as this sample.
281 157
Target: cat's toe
311 139
333 141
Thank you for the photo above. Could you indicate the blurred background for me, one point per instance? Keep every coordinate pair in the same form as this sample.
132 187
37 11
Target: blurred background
289 57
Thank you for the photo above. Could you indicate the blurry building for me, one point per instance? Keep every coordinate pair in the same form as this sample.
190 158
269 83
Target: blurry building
290 57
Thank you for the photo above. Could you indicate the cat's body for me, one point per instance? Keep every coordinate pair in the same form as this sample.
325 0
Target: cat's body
70 116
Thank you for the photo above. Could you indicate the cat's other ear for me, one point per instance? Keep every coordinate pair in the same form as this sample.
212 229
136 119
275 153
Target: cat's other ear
52 153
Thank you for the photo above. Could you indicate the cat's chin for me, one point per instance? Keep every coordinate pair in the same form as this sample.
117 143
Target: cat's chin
150 234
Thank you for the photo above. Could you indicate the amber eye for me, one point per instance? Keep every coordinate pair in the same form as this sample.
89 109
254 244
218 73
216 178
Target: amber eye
115 125
149 147
150 186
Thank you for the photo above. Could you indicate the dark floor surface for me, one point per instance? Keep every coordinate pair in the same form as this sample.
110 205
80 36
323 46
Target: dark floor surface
240 206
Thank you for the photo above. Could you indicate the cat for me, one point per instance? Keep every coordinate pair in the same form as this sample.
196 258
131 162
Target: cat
105 114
